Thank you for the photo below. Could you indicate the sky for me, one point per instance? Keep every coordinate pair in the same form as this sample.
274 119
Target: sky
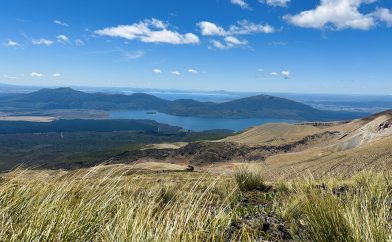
294 46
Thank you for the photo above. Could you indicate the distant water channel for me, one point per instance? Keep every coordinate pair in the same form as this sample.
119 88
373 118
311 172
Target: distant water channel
195 123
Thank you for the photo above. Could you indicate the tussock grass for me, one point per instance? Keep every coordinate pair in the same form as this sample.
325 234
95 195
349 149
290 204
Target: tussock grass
357 209
109 203
104 205
249 177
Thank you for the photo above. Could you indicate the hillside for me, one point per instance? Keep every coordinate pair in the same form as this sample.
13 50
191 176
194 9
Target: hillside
288 150
261 106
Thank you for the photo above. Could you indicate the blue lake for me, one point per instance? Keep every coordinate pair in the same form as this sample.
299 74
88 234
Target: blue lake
195 123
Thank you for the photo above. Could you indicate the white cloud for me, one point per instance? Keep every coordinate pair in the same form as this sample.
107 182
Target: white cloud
211 29
79 42
170 37
243 27
36 74
176 73
274 73
60 23
56 75
286 74
276 3
232 41
193 71
42 42
149 31
338 14
260 70
11 43
62 39
219 45
384 14
158 71
241 3
134 54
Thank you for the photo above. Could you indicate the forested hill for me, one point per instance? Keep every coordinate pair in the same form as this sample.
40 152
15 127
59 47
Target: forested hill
261 106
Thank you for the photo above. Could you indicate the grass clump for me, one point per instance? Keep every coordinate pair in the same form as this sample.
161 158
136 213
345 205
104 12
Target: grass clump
358 209
249 177
103 204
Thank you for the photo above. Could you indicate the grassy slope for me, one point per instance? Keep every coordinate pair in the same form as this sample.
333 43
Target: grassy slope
113 203
274 134
357 145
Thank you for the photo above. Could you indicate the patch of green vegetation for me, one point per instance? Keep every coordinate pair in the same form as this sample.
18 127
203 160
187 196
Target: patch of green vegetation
71 150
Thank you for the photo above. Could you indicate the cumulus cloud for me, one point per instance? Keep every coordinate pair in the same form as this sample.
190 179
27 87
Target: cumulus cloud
274 73
60 23
339 14
211 29
229 35
384 14
11 43
79 42
149 31
158 71
286 74
42 42
56 75
276 3
36 74
62 39
176 73
243 27
241 3
193 71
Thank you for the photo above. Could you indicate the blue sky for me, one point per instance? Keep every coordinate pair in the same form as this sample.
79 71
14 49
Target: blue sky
327 46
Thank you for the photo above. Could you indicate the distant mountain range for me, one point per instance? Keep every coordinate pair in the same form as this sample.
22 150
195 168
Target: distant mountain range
260 106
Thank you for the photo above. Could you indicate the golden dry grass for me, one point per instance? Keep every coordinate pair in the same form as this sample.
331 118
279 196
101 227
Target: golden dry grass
274 134
106 204
113 203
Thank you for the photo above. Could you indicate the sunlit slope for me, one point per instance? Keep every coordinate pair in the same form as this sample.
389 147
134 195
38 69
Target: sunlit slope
357 145
348 134
274 134
376 155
